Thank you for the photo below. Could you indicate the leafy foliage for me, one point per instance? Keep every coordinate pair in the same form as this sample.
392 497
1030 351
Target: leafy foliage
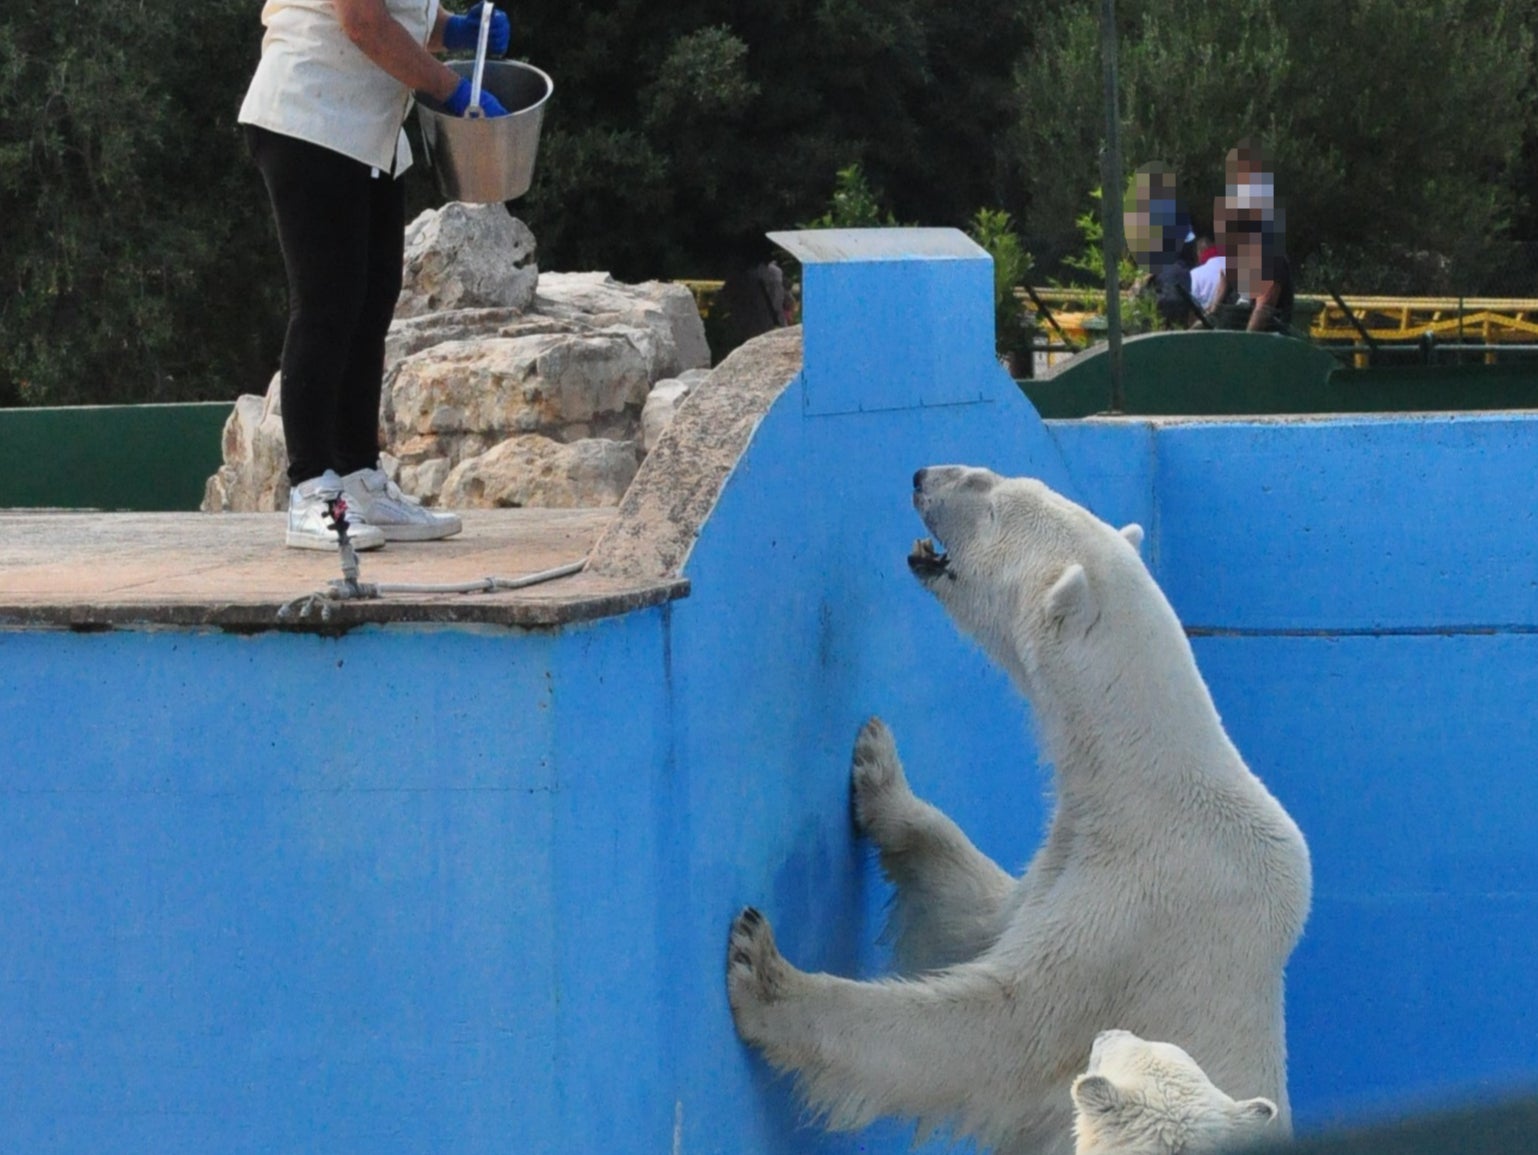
138 263
1395 129
994 230
735 118
1085 269
855 205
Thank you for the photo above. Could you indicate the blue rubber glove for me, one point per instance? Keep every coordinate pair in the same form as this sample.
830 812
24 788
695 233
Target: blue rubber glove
463 33
459 100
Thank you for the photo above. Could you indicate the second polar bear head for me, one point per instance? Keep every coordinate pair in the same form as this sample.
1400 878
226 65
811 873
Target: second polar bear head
1029 573
1145 1098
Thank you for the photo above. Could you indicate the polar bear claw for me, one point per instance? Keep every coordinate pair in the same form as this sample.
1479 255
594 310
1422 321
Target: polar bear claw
877 783
754 963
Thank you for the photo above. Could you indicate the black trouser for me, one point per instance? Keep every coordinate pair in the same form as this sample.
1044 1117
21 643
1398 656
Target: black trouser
343 235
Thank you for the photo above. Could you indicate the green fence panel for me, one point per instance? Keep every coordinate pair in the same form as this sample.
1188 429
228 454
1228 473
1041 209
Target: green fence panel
134 457
1222 374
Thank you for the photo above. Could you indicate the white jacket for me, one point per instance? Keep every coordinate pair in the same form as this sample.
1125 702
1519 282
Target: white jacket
315 84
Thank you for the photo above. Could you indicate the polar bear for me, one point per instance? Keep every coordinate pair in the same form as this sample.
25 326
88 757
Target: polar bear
1145 1098
1166 896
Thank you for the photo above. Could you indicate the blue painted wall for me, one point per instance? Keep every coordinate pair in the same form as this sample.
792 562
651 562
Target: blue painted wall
293 894
1363 595
422 890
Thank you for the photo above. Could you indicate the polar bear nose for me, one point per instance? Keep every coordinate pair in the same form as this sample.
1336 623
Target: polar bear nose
918 478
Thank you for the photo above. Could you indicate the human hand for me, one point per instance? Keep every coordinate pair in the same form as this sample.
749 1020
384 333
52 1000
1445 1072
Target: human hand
463 33
458 102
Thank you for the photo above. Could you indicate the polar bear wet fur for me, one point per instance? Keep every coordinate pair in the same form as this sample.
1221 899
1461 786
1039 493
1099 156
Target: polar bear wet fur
1146 1098
1165 898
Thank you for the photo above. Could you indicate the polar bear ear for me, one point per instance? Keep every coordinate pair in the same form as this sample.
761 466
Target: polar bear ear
1070 601
1095 1095
1255 1110
1133 532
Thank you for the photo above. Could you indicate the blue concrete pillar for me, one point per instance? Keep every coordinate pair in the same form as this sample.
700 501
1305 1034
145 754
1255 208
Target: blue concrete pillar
894 318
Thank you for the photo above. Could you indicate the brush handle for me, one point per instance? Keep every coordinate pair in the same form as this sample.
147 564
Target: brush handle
487 10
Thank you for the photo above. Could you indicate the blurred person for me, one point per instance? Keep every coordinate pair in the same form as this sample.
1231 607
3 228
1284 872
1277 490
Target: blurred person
1171 286
1156 227
1267 276
1250 221
1209 279
1161 240
753 297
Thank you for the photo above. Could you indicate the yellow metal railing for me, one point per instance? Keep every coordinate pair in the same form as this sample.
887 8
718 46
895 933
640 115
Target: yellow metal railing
704 293
1481 319
1477 320
1484 320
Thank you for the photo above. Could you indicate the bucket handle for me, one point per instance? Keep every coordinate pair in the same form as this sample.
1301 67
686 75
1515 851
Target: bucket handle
474 110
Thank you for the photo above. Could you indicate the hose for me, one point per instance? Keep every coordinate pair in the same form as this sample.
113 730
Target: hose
344 589
348 588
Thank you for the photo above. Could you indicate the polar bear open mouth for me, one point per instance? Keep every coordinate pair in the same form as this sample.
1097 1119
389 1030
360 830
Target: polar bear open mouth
926 562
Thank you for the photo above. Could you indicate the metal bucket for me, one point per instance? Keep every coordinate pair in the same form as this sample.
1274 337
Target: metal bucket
486 160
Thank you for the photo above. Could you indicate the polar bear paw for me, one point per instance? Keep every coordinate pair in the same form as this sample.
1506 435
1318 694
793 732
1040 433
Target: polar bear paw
879 788
757 975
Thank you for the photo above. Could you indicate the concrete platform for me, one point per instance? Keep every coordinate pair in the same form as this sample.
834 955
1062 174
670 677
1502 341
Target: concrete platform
232 571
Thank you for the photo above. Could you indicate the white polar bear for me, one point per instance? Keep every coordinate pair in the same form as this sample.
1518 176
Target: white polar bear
1144 1098
1166 897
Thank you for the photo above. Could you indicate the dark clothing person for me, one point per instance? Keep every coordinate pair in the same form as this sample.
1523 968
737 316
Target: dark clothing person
342 231
323 119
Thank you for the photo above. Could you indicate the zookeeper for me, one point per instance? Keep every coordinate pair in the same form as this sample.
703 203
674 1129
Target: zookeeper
323 120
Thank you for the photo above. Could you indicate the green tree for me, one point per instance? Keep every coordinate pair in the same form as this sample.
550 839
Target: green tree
1013 331
679 133
855 205
1395 129
138 262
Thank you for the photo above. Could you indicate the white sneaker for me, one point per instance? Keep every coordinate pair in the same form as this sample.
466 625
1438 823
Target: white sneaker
309 520
380 502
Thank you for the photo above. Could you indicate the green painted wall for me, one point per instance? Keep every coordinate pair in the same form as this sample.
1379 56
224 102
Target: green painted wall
1252 374
138 457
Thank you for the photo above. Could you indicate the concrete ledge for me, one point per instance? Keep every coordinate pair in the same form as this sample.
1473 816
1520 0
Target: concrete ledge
666 506
232 571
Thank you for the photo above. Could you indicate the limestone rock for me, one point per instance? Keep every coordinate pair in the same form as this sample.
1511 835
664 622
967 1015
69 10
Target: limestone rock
466 257
663 401
484 349
565 386
254 476
424 480
530 470
410 335
659 307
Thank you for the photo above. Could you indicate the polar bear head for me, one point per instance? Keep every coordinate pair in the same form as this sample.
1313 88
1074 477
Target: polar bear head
1030 574
1143 1098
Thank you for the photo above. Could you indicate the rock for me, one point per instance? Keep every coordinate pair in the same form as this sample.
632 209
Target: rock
425 480
467 257
254 476
484 349
532 470
662 402
665 309
562 385
410 335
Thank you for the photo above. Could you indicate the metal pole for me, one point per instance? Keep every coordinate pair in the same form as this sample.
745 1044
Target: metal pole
1110 202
